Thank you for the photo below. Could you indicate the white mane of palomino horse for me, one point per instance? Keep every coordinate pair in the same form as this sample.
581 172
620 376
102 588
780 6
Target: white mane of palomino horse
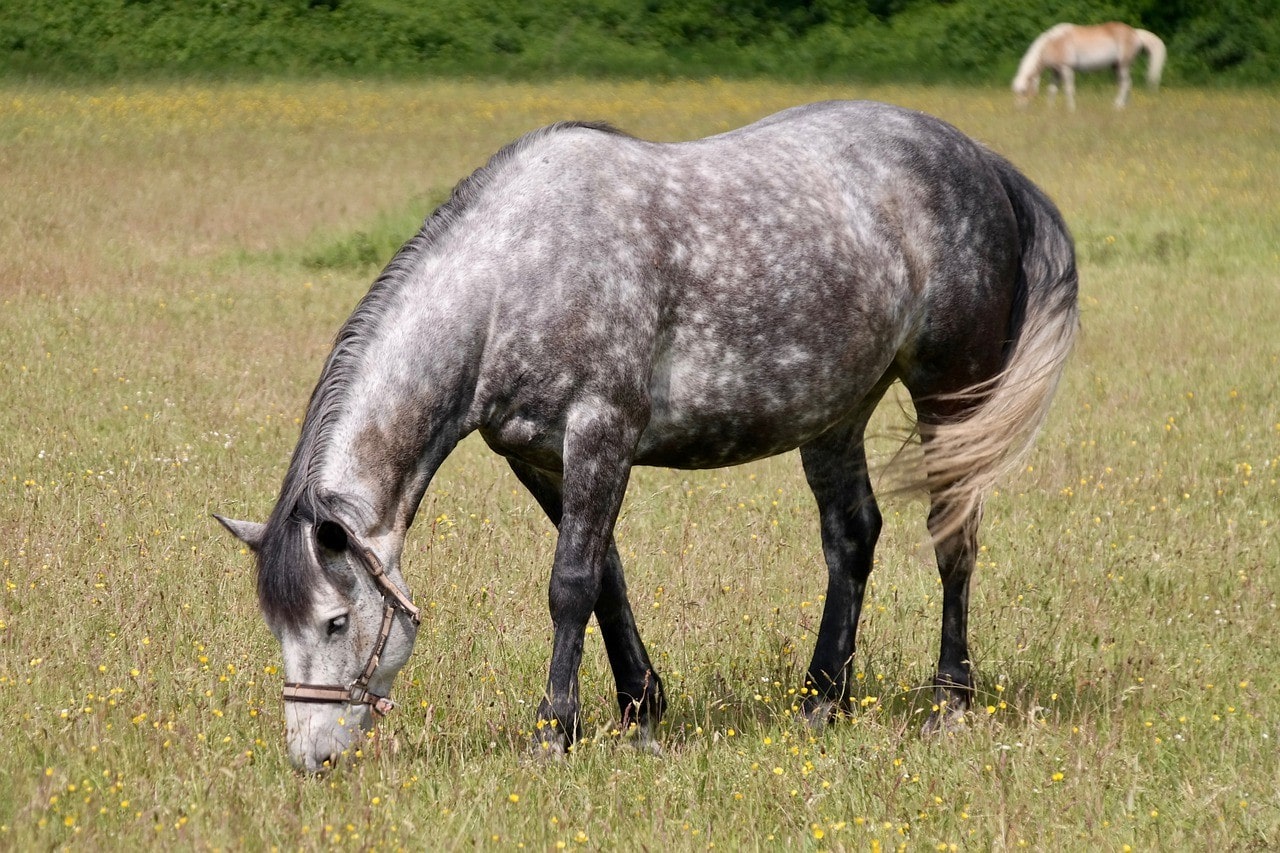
1067 48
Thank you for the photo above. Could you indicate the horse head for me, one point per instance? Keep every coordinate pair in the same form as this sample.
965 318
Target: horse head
1022 94
1026 85
345 630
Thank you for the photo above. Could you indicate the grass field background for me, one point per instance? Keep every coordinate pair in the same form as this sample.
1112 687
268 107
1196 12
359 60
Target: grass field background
176 260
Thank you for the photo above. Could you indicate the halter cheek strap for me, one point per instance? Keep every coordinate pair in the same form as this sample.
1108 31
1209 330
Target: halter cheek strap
357 693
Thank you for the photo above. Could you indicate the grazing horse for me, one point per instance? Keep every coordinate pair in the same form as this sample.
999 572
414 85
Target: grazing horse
589 301
1067 48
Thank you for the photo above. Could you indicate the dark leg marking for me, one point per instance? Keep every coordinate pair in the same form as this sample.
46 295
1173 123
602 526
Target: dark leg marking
836 468
639 689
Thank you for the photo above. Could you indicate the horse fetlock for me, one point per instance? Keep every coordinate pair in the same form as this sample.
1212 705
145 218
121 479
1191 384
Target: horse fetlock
641 735
558 727
952 696
954 689
645 711
640 715
643 698
946 720
818 712
551 739
549 746
823 700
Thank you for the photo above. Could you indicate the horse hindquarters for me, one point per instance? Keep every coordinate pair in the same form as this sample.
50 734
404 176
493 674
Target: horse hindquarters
981 393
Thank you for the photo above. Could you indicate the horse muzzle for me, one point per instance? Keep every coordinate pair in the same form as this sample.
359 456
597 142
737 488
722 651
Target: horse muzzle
319 735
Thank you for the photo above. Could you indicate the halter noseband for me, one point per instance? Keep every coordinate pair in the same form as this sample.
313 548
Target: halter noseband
357 693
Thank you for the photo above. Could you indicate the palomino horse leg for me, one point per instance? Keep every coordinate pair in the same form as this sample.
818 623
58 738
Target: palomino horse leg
640 697
836 467
1126 83
598 445
1068 76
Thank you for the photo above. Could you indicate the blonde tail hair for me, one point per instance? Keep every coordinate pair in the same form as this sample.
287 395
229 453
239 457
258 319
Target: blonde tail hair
964 459
1156 54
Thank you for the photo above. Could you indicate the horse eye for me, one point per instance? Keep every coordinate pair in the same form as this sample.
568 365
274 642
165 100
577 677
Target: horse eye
336 624
331 537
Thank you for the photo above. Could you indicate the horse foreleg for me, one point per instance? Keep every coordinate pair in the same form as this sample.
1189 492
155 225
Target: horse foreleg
1051 88
597 451
836 468
1068 76
641 701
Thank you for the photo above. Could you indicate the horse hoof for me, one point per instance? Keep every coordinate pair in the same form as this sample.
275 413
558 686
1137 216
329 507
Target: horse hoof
550 751
648 745
640 737
549 746
819 715
945 722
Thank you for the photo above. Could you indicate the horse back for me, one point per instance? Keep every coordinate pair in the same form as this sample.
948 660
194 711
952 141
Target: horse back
752 287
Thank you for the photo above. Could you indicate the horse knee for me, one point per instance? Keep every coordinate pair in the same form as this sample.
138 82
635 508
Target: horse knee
571 598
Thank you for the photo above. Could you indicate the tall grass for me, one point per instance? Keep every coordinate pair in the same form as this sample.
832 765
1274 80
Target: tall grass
176 262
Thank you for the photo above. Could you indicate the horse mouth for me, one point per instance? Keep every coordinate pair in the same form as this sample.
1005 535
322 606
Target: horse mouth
310 767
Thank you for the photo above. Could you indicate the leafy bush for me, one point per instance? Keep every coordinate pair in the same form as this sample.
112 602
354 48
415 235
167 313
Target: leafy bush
979 40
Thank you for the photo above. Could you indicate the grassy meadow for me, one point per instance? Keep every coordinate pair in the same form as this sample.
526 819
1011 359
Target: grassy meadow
176 259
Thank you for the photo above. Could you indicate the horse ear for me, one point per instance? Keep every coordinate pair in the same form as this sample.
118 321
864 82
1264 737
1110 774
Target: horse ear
248 532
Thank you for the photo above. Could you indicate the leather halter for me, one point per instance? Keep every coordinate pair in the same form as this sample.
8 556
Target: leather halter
358 693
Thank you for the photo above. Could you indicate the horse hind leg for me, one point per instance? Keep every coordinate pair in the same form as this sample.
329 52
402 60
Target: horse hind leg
956 552
957 458
954 529
835 466
1125 77
641 700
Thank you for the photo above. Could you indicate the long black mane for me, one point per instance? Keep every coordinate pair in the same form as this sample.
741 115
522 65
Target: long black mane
287 576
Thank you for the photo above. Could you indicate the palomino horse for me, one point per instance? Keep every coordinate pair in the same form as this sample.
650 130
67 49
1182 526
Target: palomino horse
1065 49
589 301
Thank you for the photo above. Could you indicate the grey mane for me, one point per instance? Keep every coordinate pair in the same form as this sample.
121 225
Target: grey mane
287 577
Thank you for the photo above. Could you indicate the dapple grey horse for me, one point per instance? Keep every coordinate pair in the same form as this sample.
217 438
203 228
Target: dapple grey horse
589 301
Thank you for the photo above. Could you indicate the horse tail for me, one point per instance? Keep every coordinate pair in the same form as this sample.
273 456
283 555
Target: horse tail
967 457
1156 54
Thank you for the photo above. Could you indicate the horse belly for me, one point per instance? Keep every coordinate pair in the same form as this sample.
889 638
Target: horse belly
1095 56
704 416
717 442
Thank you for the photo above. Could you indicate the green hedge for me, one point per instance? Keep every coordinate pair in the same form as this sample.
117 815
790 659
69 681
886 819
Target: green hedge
918 40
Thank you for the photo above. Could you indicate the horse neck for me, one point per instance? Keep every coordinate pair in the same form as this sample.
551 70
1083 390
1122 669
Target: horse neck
1032 64
391 407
